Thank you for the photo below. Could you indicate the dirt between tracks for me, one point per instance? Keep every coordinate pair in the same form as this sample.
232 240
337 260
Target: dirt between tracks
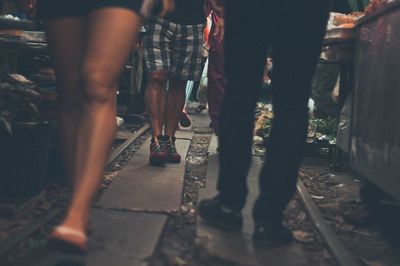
371 233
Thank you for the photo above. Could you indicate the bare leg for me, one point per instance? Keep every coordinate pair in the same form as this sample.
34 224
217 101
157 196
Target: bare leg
111 35
155 101
174 106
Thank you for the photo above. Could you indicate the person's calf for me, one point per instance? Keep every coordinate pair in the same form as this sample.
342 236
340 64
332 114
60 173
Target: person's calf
155 101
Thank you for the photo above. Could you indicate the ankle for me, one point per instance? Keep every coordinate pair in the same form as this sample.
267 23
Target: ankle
169 137
77 222
157 138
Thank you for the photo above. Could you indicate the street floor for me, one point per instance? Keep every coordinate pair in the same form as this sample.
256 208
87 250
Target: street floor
146 215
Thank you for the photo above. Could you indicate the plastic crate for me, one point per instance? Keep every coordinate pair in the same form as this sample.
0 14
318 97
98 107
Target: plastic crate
320 150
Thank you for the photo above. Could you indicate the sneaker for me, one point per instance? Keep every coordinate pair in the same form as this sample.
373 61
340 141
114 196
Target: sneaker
266 234
158 154
185 120
217 215
172 154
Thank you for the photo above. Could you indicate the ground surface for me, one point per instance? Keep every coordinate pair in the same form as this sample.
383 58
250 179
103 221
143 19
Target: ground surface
147 216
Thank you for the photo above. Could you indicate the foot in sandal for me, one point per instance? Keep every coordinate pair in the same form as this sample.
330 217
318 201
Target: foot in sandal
69 240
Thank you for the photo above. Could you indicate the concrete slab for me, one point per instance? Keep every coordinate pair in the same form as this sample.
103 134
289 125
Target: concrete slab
237 247
140 186
184 134
118 238
201 122
124 238
212 149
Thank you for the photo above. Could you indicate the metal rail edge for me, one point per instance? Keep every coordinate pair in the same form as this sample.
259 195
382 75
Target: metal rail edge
334 245
128 142
11 242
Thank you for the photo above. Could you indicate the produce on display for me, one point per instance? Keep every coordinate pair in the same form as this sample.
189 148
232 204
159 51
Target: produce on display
22 100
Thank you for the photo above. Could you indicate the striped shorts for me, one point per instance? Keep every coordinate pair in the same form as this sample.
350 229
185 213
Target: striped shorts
174 48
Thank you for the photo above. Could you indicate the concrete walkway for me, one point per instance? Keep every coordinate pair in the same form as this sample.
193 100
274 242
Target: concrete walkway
129 217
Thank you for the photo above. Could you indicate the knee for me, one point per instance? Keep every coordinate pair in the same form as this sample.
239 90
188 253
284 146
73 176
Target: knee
70 93
98 86
157 80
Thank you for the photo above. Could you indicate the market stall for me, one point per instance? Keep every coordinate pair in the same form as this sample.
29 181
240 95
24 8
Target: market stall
27 107
366 46
375 128
339 45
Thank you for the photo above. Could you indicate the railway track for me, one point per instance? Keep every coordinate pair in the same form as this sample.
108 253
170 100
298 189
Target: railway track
16 238
333 244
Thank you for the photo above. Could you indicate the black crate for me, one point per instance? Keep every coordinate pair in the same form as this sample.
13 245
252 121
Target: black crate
320 150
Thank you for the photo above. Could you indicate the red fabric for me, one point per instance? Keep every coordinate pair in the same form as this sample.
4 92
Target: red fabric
206 34
215 41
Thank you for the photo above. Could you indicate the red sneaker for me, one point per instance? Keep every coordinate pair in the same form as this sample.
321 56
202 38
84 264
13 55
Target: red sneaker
172 154
158 154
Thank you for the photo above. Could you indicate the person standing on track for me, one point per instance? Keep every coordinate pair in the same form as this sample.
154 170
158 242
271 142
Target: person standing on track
295 31
173 48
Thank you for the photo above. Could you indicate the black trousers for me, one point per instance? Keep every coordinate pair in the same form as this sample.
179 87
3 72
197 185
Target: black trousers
294 30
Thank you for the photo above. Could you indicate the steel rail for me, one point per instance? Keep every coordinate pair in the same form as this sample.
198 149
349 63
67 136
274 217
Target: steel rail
334 245
121 148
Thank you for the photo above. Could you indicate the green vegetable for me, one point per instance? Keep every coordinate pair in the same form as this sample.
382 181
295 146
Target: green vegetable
326 126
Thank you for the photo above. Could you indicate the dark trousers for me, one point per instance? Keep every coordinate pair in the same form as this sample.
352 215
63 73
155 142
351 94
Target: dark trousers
294 30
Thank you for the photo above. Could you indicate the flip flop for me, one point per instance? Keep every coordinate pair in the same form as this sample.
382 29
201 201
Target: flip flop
69 240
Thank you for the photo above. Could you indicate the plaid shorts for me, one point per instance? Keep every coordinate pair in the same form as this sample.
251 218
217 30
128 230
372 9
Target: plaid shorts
174 48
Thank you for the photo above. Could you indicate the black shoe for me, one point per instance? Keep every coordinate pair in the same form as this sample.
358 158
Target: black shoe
185 120
266 234
215 214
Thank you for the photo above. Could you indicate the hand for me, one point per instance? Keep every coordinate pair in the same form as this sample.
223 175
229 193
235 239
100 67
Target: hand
168 7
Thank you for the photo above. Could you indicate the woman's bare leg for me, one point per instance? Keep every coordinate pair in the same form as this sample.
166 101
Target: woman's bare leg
111 35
